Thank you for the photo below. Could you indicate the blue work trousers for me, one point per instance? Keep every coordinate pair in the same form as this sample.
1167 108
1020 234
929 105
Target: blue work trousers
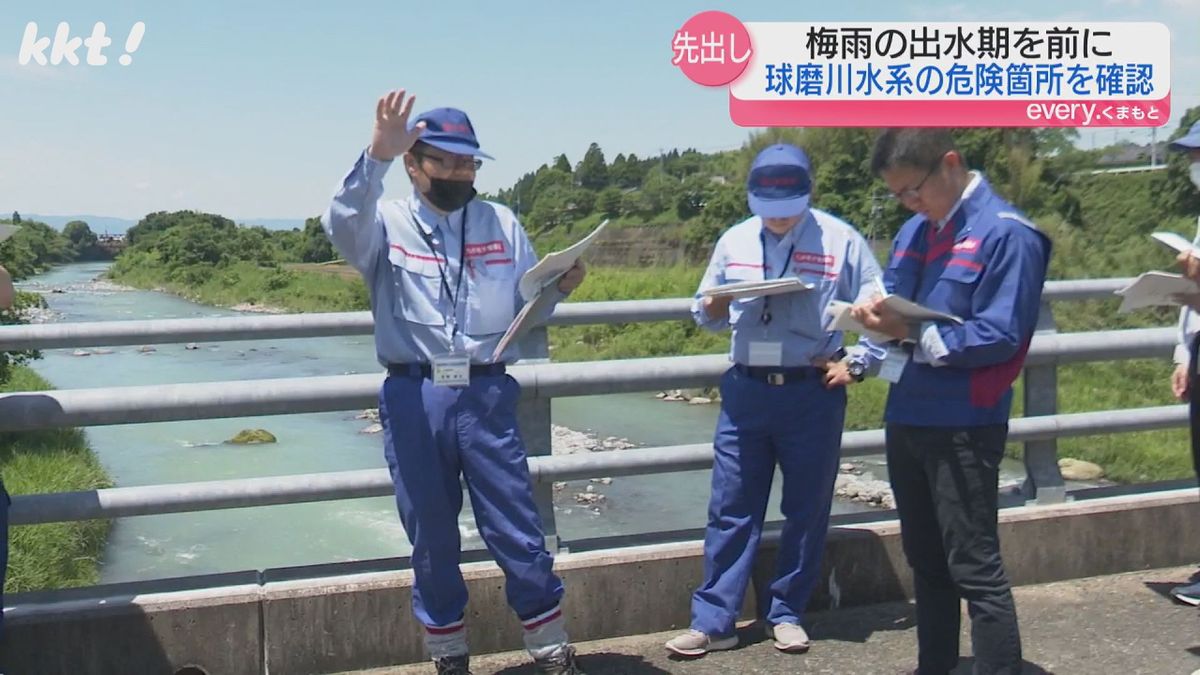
434 434
799 425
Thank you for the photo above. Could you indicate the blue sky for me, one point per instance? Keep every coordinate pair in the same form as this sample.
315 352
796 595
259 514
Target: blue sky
255 109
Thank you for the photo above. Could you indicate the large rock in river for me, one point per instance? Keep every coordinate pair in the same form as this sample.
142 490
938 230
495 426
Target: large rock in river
1077 469
252 437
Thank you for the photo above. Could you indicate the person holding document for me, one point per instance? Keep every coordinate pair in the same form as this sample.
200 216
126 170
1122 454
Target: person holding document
443 270
970 254
1183 380
783 401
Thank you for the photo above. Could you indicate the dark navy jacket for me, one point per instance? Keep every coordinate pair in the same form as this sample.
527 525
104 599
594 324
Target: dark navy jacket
987 266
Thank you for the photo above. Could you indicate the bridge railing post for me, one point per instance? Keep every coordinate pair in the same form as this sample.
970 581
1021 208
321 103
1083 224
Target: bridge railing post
533 416
1043 480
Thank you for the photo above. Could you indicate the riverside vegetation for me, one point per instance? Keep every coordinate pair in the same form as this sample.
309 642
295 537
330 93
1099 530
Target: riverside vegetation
675 206
54 460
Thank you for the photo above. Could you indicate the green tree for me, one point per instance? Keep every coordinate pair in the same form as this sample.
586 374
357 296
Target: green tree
84 243
16 218
316 245
34 247
608 202
659 190
727 205
693 195
79 234
156 223
592 172
552 208
561 163
626 172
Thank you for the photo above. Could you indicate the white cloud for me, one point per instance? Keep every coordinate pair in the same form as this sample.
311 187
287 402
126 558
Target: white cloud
10 67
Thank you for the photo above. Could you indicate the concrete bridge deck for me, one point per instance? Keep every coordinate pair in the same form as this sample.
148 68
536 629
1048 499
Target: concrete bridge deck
310 621
1123 624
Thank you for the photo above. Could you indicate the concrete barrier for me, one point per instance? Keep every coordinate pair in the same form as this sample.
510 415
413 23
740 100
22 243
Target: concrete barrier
218 630
348 622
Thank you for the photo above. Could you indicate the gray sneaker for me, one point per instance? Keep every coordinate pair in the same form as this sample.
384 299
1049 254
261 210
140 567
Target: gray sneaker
453 665
561 662
695 643
1189 594
790 638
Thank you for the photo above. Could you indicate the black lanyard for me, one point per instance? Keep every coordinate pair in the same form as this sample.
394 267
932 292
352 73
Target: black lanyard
462 264
787 262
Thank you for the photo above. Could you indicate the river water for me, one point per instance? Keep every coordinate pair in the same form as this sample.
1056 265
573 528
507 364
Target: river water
173 545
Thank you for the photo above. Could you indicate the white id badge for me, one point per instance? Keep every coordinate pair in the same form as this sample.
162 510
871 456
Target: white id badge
893 365
766 354
452 370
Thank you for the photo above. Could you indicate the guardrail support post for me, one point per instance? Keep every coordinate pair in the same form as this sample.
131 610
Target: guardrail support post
1043 480
533 416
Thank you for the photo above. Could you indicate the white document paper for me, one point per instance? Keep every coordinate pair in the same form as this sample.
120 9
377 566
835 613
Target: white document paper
548 271
910 311
914 313
839 312
1173 241
554 265
7 231
1155 289
754 289
521 324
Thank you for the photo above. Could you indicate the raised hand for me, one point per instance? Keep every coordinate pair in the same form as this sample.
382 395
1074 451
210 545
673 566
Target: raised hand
392 137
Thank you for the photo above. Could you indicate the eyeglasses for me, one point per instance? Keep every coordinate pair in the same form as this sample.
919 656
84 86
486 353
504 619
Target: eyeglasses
450 163
914 192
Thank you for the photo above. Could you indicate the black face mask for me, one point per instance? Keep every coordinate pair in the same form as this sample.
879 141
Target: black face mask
449 195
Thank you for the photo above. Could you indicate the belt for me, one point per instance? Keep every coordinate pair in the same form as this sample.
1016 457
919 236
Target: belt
425 370
778 375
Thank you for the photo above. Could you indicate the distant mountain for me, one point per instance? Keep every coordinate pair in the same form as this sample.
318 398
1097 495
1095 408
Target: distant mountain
98 224
113 225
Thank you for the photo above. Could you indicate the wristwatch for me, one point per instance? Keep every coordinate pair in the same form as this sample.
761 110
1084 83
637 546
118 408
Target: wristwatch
857 370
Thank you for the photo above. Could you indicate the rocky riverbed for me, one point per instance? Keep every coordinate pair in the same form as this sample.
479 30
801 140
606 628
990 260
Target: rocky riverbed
854 482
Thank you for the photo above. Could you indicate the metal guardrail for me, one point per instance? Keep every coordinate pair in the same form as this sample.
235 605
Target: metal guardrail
25 411
248 492
280 326
540 380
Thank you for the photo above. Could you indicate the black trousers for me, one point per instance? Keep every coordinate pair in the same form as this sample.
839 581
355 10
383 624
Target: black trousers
1194 402
945 483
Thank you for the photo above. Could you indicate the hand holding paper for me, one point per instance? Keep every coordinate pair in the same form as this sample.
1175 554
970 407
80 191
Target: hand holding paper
1156 289
1189 255
842 319
887 317
554 265
571 279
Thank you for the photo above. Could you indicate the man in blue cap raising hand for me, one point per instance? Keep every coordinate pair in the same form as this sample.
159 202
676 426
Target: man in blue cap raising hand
784 399
443 270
